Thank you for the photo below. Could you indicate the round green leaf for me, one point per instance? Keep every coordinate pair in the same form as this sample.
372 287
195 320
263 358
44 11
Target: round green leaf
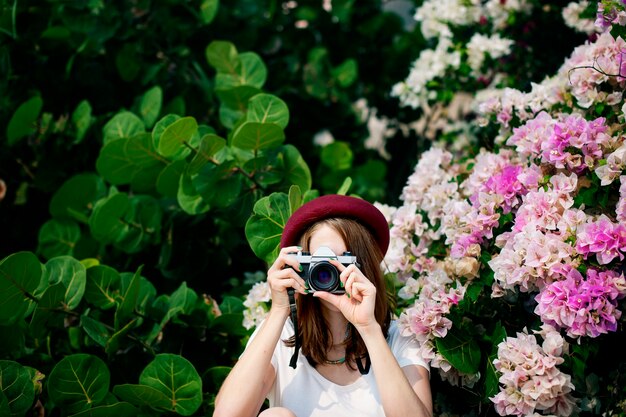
49 311
258 136
294 169
265 227
150 106
17 386
24 120
252 71
160 127
123 125
346 73
78 382
229 116
20 276
72 274
58 237
102 287
237 98
189 198
223 56
266 108
76 197
143 218
337 156
176 135
96 330
175 377
107 222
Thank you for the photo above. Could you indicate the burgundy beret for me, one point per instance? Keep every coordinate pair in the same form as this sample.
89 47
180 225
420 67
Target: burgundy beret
334 205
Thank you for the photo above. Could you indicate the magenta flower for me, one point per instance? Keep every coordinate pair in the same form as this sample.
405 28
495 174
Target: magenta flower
583 306
605 239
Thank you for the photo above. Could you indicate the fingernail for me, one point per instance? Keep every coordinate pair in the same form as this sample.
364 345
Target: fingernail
299 247
341 284
300 268
306 284
348 294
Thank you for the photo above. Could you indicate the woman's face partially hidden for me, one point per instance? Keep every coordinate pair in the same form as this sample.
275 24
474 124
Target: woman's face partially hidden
327 236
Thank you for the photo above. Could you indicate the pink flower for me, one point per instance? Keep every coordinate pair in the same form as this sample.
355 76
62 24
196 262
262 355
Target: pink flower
583 306
605 239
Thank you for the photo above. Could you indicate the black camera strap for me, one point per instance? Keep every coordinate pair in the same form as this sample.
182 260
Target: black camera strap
294 318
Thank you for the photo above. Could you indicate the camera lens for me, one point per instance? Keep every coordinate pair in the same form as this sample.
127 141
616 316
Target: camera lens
324 276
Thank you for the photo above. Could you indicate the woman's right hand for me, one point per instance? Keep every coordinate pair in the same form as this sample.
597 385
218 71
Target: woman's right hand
282 275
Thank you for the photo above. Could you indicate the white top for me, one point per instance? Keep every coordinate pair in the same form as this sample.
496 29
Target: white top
308 394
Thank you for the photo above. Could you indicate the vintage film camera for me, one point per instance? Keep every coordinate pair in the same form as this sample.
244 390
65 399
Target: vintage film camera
319 273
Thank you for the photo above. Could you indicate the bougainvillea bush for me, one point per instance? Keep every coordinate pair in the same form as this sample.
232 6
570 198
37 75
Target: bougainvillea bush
508 258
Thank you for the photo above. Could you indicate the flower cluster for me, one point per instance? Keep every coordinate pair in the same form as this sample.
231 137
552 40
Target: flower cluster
530 376
257 304
539 221
584 306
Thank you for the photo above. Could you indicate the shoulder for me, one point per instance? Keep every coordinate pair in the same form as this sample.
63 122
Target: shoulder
406 349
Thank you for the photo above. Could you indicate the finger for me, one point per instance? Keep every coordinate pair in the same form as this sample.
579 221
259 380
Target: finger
287 257
331 298
286 278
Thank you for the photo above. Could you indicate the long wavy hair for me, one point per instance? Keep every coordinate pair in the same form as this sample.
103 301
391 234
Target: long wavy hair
315 338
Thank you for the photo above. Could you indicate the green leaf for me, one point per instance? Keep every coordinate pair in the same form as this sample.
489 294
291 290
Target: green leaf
107 219
337 156
144 224
184 297
78 382
346 73
208 10
102 289
20 275
175 377
294 169
219 185
74 200
461 350
266 108
295 198
252 71
49 312
17 387
223 56
258 136
113 344
81 120
58 237
125 161
265 227
128 299
150 106
24 120
127 62
121 409
169 178
176 135
188 197
123 125
209 145
142 396
237 98
71 274
345 186
95 329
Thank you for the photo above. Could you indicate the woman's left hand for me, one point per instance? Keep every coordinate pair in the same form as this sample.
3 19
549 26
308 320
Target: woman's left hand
357 304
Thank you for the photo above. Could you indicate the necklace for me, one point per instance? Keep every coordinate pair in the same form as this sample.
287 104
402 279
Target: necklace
336 361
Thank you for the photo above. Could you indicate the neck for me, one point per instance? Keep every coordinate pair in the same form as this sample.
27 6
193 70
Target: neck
337 325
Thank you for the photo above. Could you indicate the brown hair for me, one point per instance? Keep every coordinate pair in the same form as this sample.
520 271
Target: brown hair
312 325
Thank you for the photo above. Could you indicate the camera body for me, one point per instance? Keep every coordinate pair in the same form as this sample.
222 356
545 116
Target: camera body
319 273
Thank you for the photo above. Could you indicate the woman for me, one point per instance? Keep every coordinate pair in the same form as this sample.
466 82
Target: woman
353 360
